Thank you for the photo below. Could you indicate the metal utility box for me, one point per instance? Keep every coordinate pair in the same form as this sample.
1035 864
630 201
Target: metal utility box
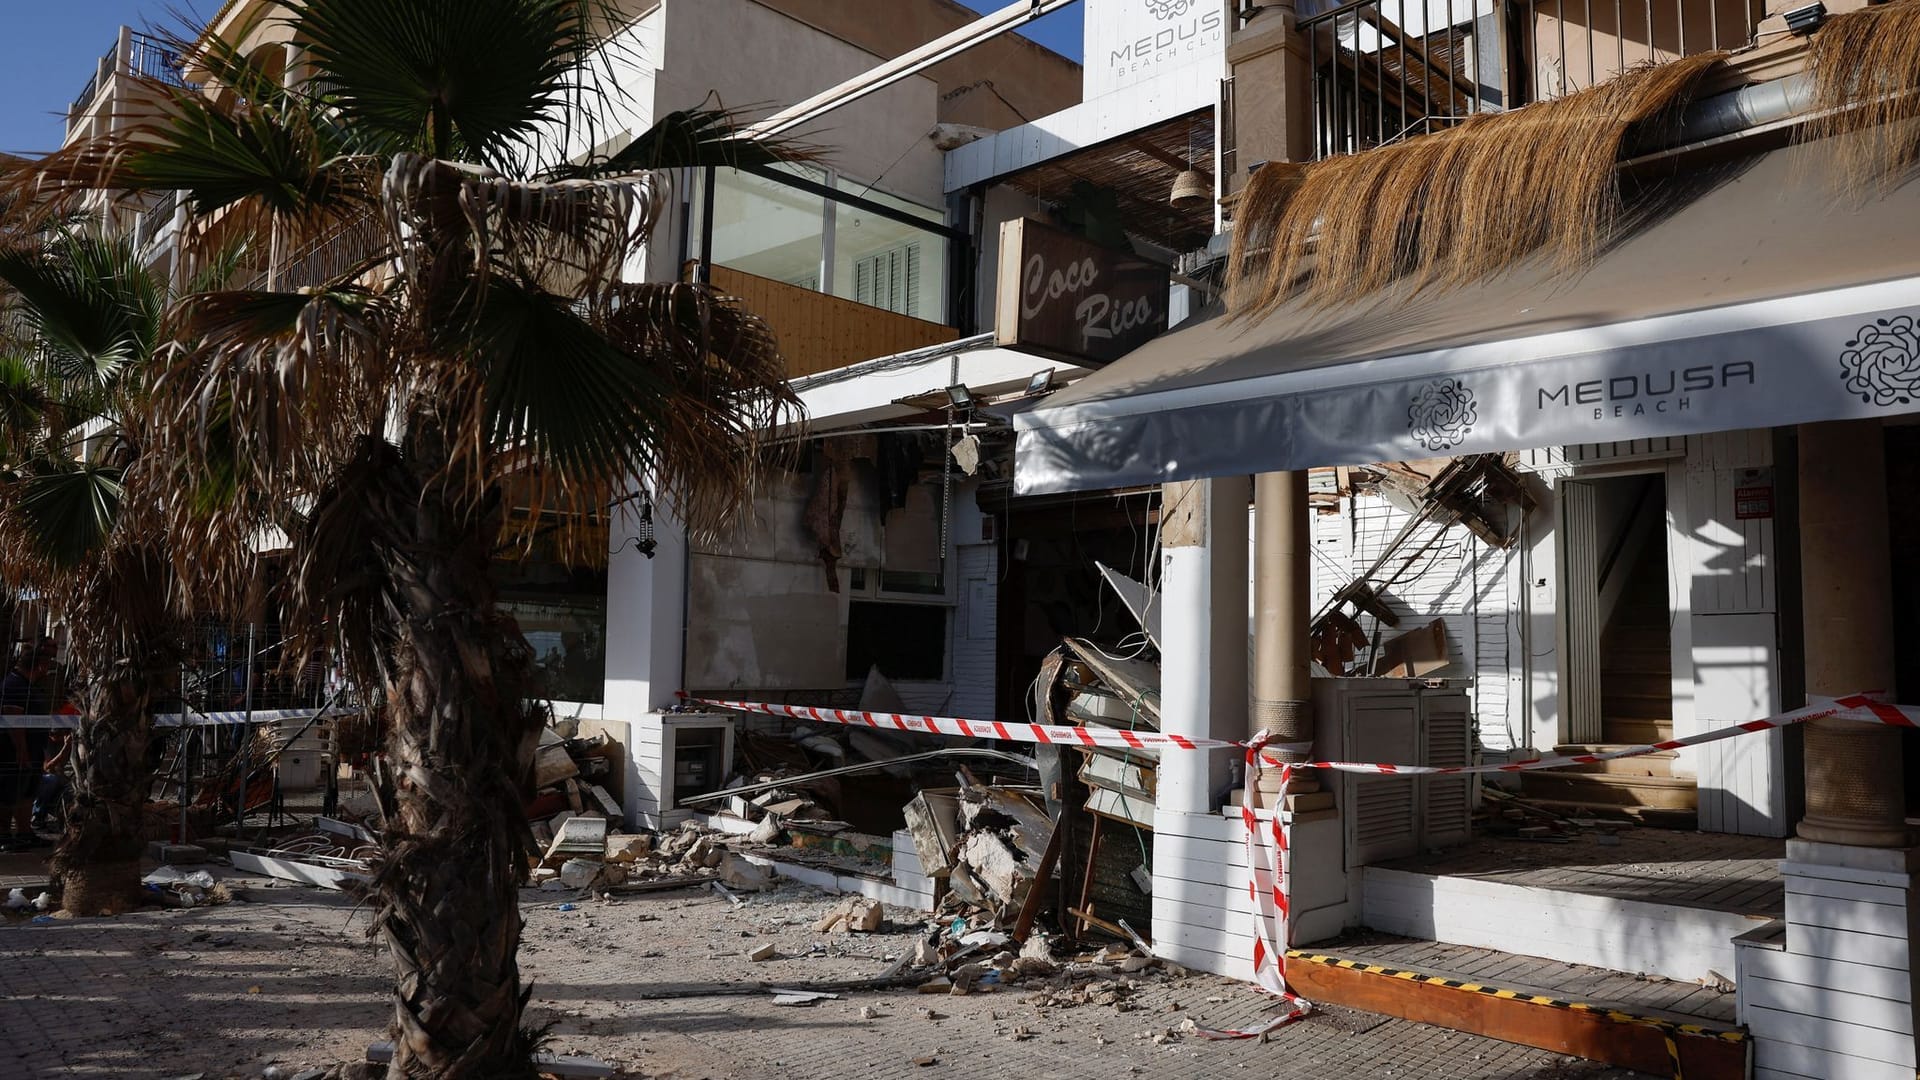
696 749
1397 722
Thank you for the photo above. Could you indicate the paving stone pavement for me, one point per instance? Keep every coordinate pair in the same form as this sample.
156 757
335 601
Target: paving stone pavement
285 975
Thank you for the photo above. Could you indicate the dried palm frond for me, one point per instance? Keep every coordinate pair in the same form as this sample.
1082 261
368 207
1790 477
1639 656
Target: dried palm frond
1454 206
1866 94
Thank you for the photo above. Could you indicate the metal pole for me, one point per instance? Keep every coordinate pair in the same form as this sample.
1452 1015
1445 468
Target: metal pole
185 733
246 735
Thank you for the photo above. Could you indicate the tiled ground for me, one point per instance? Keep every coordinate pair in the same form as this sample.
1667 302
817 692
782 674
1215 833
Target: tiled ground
285 975
1660 866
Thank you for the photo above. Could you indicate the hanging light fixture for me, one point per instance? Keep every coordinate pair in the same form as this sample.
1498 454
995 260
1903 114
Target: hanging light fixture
1192 189
643 529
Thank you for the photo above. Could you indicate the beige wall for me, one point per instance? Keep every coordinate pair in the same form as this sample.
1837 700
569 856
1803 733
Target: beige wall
759 60
1034 80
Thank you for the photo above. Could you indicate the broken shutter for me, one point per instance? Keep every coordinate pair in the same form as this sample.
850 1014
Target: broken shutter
1446 801
1385 729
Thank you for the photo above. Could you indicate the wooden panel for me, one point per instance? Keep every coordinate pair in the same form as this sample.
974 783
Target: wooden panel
1854 1040
1743 782
1581 623
1566 1031
1735 567
1830 1004
818 332
1779 1060
1446 803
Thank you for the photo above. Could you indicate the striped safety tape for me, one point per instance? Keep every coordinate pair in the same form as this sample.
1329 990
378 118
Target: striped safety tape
1861 707
1266 848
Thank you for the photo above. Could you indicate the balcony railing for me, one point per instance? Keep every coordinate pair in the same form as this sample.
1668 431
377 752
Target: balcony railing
146 56
1388 69
155 219
155 59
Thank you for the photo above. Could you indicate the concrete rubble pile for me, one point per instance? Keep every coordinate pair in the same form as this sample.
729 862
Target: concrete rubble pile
966 957
569 778
586 857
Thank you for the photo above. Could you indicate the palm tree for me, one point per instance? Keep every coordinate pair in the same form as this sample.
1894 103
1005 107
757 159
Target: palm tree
78 524
471 329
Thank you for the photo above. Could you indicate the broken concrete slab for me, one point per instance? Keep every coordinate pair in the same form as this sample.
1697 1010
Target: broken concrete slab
745 874
580 873
583 836
764 952
625 850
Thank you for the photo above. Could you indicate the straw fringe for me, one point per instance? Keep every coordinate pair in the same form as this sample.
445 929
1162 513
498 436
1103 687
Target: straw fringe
1866 95
1503 188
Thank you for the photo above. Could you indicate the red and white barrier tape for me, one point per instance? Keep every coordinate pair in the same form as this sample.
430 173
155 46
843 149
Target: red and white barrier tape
1266 863
1044 734
1860 707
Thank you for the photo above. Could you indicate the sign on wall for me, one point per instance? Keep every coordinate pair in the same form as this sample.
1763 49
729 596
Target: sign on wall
1070 299
1130 41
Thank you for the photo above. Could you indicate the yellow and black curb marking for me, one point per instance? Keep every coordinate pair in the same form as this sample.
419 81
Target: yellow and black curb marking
1667 1027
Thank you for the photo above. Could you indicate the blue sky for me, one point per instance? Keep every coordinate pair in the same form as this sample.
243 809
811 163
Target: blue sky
1059 31
48 48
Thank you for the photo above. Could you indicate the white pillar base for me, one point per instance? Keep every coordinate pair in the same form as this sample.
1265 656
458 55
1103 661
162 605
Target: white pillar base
1834 997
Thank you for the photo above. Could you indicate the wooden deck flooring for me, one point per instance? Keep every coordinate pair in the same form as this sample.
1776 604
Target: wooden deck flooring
1660 866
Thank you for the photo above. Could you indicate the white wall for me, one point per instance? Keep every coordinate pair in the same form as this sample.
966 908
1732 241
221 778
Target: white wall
1459 579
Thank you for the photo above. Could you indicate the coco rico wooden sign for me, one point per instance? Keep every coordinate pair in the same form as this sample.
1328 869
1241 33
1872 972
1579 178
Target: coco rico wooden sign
1069 299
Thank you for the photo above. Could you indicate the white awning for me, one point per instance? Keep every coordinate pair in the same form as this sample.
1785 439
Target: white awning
1766 301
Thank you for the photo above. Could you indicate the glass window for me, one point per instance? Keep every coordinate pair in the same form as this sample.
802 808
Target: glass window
561 608
887 263
774 230
766 228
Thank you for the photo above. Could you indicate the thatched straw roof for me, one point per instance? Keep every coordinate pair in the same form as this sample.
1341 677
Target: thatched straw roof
1866 75
1452 207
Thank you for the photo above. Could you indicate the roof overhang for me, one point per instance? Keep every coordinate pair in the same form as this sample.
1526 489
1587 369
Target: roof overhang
1764 302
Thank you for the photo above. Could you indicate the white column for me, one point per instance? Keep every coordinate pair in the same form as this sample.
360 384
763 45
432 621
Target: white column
1203 634
646 614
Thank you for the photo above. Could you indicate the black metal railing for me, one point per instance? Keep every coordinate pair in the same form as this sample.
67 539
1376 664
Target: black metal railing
1388 69
153 58
156 218
147 56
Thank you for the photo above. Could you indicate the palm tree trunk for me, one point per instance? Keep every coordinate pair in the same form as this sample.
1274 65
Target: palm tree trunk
98 858
455 841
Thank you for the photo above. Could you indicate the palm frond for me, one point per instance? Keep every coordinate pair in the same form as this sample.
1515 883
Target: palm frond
271 383
470 80
24 401
90 302
558 389
726 392
452 225
70 512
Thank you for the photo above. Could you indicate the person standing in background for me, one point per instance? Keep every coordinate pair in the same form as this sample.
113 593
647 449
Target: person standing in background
22 692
